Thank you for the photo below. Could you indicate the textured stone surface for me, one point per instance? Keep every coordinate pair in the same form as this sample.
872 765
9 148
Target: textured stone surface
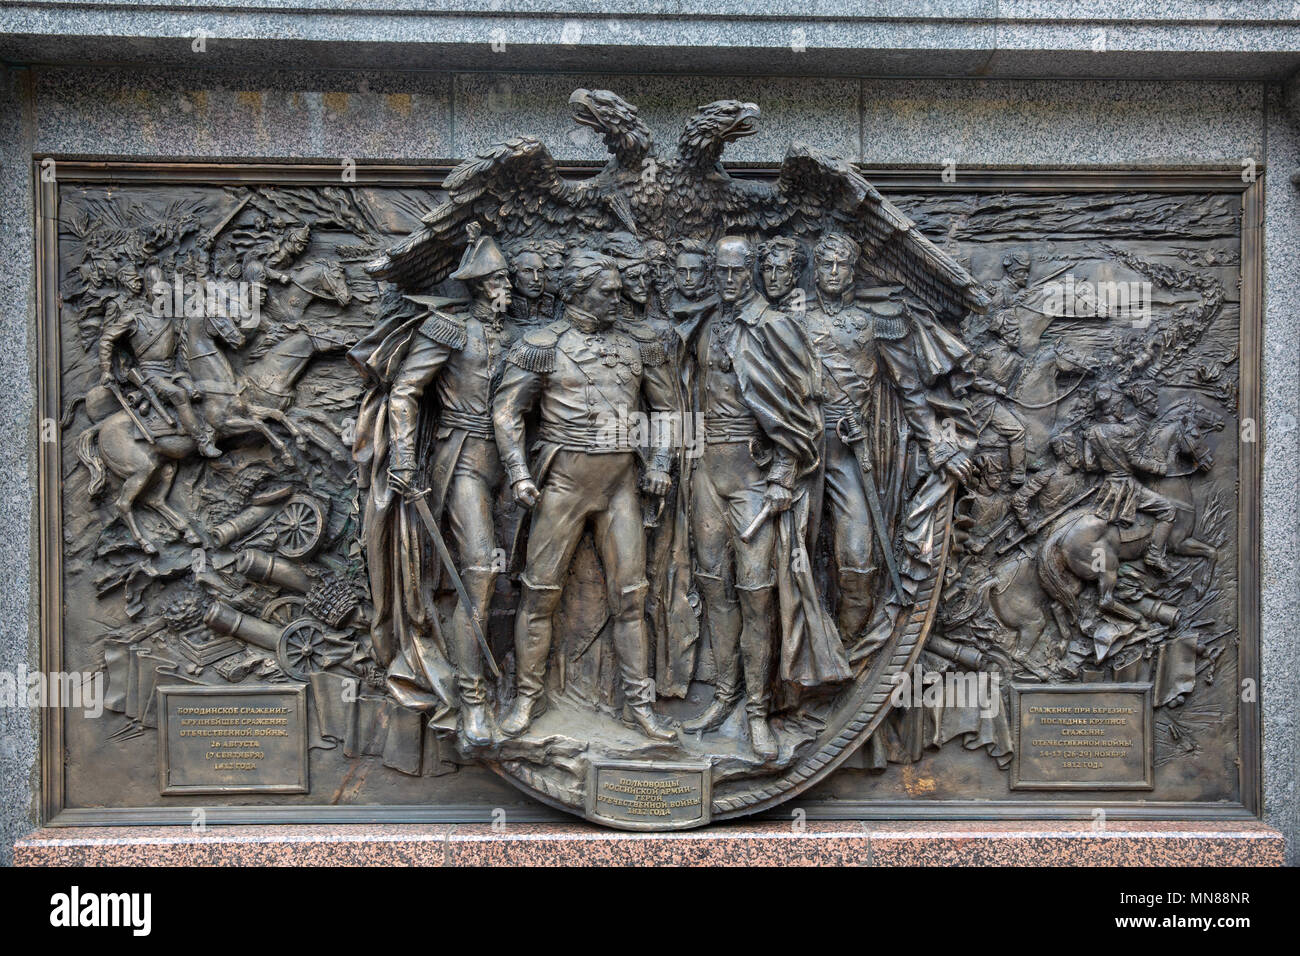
751 844
1280 498
18 633
196 114
1060 123
832 37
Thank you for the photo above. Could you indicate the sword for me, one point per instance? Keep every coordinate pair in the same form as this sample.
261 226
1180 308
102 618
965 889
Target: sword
859 445
422 508
131 412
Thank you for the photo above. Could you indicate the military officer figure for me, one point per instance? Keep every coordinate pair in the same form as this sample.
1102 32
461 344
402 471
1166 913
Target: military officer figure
856 345
464 354
583 374
749 371
155 342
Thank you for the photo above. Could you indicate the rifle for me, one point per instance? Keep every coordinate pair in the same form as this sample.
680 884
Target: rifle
1038 526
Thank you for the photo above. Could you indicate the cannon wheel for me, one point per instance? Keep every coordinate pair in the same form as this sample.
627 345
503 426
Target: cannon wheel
301 649
285 610
299 527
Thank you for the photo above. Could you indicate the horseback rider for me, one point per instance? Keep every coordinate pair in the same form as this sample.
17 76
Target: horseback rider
1055 486
1114 448
997 368
154 342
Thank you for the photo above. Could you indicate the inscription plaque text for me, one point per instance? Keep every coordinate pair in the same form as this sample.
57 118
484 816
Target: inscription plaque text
232 740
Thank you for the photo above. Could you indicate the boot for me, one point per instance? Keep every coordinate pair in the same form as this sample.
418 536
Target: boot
632 647
532 646
724 632
1155 553
523 711
207 445
855 606
756 661
651 724
474 730
762 739
1154 558
719 709
1016 459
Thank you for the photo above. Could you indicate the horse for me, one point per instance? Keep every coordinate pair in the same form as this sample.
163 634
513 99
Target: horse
233 405
1082 546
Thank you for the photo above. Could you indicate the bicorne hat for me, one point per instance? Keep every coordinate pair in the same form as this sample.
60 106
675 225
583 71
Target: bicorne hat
481 258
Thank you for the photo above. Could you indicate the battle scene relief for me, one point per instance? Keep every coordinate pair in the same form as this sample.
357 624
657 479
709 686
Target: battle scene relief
659 493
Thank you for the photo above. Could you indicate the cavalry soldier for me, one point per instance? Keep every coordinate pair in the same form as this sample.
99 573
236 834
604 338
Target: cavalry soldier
749 371
154 341
1113 448
864 349
586 376
463 354
997 367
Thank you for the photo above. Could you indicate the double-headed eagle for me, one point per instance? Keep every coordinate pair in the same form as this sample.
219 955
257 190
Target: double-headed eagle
515 190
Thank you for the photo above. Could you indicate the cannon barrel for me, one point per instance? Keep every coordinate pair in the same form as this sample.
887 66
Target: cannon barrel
1156 610
226 620
967 657
242 523
272 569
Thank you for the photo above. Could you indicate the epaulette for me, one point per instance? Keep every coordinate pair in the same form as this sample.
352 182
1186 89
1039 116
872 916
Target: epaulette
535 352
650 343
890 327
445 330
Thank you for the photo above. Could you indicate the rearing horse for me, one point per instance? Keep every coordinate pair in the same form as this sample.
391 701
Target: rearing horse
233 404
1085 547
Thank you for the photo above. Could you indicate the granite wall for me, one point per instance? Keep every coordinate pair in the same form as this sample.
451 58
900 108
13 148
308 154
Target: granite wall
192 113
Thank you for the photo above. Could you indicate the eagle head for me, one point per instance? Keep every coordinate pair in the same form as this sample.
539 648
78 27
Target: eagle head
713 126
626 137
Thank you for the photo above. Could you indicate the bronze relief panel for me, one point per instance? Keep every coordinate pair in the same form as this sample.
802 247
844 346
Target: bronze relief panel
658 493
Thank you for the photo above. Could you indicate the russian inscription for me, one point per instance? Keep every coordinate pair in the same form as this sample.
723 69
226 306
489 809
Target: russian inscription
648 796
249 739
1082 737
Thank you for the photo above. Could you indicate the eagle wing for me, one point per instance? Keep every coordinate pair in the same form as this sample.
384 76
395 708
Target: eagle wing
513 189
817 193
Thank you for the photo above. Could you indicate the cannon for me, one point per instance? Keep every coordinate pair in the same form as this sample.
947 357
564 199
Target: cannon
302 647
298 524
333 602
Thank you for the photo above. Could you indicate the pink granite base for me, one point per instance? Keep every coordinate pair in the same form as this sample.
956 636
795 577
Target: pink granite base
748 844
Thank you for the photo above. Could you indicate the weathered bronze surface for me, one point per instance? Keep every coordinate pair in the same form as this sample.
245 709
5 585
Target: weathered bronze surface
660 492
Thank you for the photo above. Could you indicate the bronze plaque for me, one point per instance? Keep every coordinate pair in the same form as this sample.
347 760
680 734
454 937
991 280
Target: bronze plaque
636 795
232 740
660 492
1082 737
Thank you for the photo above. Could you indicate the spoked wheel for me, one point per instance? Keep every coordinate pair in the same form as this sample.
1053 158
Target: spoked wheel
303 648
299 527
285 610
